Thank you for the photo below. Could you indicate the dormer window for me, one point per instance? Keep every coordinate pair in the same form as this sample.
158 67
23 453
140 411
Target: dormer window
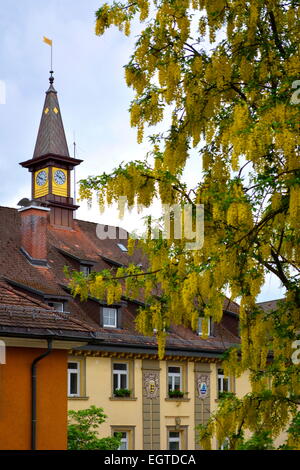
122 247
59 306
200 326
110 317
85 269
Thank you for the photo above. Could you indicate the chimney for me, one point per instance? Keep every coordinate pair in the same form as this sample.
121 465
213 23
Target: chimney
34 234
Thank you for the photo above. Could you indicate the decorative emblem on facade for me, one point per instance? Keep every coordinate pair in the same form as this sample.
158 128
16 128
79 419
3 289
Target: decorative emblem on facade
202 384
151 384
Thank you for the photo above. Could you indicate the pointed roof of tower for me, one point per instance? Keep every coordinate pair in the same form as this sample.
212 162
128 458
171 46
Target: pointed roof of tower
51 137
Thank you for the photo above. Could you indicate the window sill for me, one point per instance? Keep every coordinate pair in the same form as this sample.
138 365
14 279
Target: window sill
123 398
78 398
177 399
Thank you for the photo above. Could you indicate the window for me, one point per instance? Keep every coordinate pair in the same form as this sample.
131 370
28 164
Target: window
122 247
109 317
59 306
76 377
223 382
124 440
200 326
120 376
174 378
225 444
85 269
73 379
122 380
174 440
127 436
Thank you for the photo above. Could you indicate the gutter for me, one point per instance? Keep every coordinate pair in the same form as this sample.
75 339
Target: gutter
34 394
36 333
140 349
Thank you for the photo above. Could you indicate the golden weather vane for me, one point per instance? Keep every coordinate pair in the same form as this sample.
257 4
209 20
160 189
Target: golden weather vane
50 43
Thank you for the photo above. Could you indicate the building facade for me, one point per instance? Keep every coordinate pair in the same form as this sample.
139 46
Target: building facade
155 404
150 417
33 385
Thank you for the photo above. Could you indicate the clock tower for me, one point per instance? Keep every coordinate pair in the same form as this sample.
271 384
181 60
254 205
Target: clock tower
51 164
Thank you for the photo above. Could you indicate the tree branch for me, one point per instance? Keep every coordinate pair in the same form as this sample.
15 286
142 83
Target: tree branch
275 34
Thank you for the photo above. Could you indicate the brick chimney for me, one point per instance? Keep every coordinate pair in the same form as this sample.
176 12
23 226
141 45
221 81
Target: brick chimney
34 233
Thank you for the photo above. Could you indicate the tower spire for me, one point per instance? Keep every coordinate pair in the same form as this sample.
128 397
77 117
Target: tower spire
51 164
51 137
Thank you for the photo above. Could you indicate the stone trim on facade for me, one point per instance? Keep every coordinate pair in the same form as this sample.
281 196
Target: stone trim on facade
151 404
202 401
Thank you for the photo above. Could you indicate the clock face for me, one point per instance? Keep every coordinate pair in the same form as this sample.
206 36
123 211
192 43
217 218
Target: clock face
59 177
41 178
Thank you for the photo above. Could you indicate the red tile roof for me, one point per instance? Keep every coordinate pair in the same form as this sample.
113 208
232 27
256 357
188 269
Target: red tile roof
81 242
269 305
18 310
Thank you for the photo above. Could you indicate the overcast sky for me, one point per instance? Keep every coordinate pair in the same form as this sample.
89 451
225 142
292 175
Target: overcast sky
93 96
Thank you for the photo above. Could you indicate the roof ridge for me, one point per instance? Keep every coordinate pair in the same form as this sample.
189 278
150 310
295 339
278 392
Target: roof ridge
231 301
76 220
10 208
99 223
272 300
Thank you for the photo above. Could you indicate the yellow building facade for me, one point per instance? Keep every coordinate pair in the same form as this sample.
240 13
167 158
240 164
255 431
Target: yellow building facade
149 419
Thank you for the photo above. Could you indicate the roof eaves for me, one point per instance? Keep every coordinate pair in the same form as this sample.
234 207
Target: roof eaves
37 291
24 286
76 258
42 333
140 348
94 299
113 262
49 156
232 314
134 301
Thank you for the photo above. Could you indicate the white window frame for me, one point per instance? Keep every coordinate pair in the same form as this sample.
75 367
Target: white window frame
174 439
71 371
225 444
59 306
222 378
119 373
84 268
124 440
173 375
200 329
105 325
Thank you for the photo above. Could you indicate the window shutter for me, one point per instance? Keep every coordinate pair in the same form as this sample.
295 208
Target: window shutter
119 318
212 327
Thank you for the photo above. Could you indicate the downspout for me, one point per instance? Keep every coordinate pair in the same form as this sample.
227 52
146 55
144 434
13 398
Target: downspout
33 392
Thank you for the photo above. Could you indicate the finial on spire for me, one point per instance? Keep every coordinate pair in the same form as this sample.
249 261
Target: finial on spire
51 78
